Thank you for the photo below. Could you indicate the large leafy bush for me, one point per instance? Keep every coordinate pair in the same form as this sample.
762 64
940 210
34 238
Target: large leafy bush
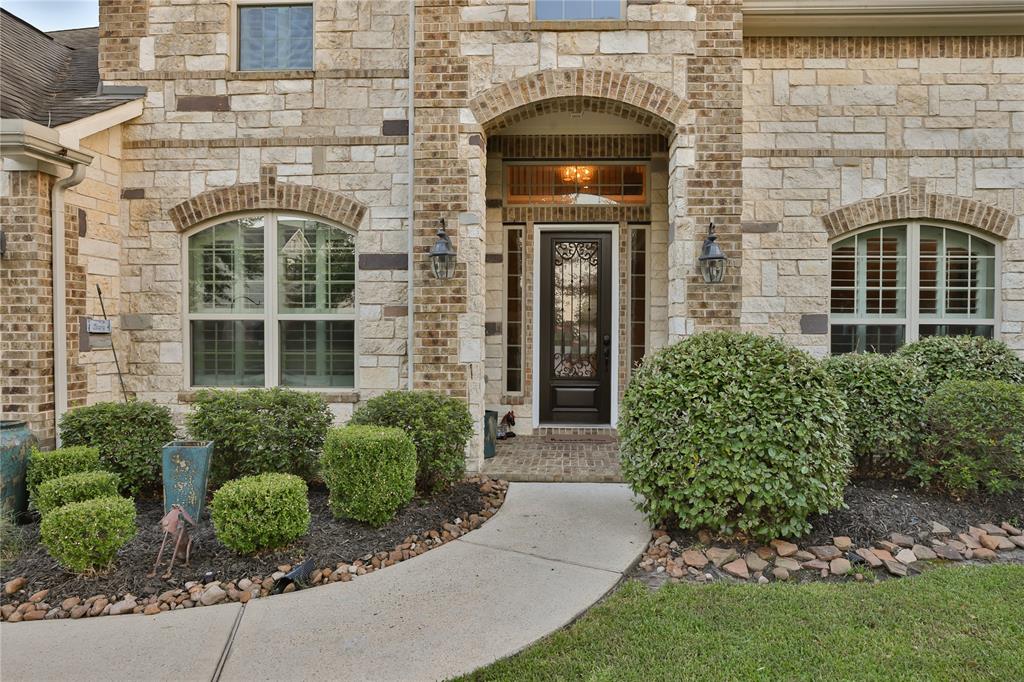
85 536
974 439
128 435
439 427
370 471
46 465
736 433
63 490
885 396
260 512
972 358
260 431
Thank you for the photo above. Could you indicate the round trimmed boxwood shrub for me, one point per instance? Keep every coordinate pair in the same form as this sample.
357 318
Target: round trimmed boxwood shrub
370 471
884 397
974 438
260 512
260 430
63 490
439 426
735 433
47 465
85 536
128 435
972 358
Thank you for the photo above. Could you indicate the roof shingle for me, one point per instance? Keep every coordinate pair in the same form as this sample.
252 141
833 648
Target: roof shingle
50 78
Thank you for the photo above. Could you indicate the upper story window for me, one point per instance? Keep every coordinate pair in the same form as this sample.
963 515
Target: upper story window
577 183
271 301
899 283
547 10
275 37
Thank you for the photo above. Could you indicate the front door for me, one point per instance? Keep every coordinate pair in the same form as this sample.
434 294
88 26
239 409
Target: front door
575 327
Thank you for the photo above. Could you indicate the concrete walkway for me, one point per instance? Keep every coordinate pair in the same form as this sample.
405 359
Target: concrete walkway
551 551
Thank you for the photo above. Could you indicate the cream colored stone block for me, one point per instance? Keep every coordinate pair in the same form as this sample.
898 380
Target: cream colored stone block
862 95
624 42
516 54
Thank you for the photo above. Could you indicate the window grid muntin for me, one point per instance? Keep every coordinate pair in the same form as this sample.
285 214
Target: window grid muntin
515 312
249 7
268 317
915 321
595 10
542 184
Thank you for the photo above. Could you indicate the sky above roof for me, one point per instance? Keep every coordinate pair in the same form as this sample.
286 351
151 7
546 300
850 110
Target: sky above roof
55 15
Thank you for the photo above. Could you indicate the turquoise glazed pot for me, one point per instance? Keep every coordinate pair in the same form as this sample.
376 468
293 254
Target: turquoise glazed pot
16 442
186 470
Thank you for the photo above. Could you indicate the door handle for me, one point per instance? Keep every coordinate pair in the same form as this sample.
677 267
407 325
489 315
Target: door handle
607 345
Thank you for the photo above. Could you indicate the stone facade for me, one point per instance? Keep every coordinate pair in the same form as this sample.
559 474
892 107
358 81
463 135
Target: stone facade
782 143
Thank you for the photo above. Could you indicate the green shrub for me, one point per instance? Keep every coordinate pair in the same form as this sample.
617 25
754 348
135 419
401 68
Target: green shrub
370 471
63 490
736 433
47 465
84 536
128 435
439 427
974 438
884 396
971 358
260 512
260 431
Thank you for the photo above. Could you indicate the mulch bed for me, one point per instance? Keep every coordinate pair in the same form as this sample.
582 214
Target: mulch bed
330 541
876 508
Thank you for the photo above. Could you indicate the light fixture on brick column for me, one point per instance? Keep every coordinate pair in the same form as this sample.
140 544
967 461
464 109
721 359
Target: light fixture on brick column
442 255
712 258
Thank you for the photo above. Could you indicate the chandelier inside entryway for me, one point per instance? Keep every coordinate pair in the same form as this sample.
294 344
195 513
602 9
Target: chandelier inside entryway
579 175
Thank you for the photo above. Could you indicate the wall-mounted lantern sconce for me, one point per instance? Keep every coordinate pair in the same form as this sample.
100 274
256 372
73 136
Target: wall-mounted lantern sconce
442 255
712 258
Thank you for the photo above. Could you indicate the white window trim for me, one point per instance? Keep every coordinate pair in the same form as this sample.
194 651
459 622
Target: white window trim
269 315
235 33
913 319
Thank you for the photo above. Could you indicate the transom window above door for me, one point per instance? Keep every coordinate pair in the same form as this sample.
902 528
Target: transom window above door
271 301
576 182
897 283
547 10
275 37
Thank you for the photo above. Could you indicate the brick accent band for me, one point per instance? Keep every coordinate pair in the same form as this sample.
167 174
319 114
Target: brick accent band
203 103
576 214
882 47
577 146
668 109
310 141
268 193
167 75
916 203
843 154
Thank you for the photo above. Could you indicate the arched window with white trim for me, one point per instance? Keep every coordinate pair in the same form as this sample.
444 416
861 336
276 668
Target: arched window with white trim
271 302
896 283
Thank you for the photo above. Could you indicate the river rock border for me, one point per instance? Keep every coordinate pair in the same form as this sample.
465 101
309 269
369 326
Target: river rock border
195 594
780 560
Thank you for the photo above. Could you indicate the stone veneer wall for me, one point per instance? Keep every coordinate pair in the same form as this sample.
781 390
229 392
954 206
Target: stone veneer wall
340 127
829 122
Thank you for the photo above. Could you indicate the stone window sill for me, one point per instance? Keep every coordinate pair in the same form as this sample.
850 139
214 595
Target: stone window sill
331 397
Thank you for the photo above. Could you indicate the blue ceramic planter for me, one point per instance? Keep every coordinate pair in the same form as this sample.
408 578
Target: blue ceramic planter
186 471
16 442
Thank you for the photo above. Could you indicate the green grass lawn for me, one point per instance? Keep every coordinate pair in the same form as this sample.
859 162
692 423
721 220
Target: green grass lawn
951 624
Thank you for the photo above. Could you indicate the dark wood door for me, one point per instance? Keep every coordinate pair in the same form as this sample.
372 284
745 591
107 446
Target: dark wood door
575 327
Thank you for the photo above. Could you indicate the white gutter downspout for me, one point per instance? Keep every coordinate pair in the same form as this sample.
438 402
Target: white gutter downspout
412 190
60 335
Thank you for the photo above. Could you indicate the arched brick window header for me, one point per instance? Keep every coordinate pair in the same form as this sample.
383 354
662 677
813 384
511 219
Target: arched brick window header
268 193
612 92
917 203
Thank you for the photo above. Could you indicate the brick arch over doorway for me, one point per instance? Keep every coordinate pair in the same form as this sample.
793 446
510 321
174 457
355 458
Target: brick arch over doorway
561 89
268 193
917 203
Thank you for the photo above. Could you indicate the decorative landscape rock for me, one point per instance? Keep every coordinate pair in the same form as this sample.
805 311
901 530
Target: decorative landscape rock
720 555
923 553
825 552
783 548
869 557
737 568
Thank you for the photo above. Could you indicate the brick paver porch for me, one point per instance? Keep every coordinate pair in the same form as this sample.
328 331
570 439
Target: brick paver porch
557 457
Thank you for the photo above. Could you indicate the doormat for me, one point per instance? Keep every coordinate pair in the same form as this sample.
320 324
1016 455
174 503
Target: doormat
579 438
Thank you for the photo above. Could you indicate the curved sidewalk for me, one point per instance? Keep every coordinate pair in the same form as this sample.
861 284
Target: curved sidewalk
550 552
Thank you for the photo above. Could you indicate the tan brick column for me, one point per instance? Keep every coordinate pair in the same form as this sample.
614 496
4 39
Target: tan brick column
715 183
122 24
447 345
